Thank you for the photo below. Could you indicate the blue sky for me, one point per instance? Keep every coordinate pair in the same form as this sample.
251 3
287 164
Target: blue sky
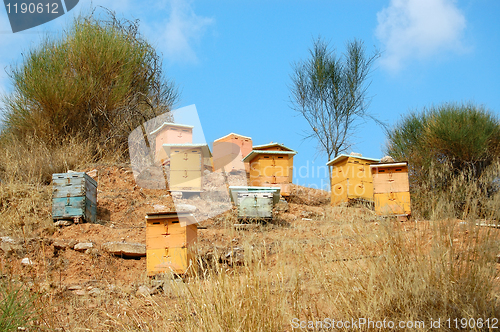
233 59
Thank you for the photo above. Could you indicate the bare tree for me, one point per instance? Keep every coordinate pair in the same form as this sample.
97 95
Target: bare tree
330 91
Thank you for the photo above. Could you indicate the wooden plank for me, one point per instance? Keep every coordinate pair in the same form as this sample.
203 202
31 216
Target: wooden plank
68 191
90 211
185 180
68 207
392 203
390 182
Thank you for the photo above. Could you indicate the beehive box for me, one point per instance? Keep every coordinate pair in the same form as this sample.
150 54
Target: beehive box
351 178
186 166
170 133
271 165
391 189
169 236
229 151
254 202
74 196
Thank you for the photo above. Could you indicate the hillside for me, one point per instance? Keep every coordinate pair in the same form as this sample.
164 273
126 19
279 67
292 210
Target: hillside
312 262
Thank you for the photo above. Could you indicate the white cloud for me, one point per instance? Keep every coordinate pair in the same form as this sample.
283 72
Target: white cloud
418 29
181 31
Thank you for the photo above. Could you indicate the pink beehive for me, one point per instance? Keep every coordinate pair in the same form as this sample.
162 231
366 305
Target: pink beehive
228 152
170 133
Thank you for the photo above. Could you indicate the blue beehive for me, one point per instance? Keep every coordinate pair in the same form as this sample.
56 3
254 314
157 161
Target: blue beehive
74 196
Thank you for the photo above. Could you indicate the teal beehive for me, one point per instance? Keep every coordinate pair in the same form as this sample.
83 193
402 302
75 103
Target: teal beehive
74 197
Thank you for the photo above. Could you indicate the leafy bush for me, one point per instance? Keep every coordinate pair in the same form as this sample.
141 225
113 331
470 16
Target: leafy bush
453 151
99 81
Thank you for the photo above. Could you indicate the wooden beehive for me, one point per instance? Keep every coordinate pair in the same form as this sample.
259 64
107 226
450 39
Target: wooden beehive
170 133
169 237
186 166
391 189
254 202
351 178
74 197
229 151
271 165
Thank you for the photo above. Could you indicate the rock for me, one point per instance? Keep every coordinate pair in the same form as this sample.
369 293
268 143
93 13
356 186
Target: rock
234 256
26 261
125 249
144 291
92 251
185 208
72 243
306 214
83 246
281 206
176 194
387 159
96 292
80 292
63 223
159 207
93 174
61 245
74 287
8 239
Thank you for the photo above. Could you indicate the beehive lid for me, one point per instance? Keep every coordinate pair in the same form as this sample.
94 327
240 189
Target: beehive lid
388 165
185 219
254 153
269 145
205 150
170 124
235 190
342 157
232 134
58 176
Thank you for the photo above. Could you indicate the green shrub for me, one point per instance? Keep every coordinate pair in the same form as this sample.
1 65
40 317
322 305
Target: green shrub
452 151
98 81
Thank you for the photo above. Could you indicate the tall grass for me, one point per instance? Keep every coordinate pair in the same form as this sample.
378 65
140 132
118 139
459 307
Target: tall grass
17 307
451 193
347 268
32 160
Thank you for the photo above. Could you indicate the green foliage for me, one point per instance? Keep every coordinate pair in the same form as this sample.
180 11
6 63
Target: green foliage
99 80
16 307
330 92
460 135
452 150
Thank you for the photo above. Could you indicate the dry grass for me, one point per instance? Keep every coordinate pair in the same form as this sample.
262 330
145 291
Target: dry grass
339 268
33 161
344 264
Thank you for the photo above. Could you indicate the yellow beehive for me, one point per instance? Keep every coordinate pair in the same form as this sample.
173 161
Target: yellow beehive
229 151
169 236
186 166
391 189
271 165
351 178
170 133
